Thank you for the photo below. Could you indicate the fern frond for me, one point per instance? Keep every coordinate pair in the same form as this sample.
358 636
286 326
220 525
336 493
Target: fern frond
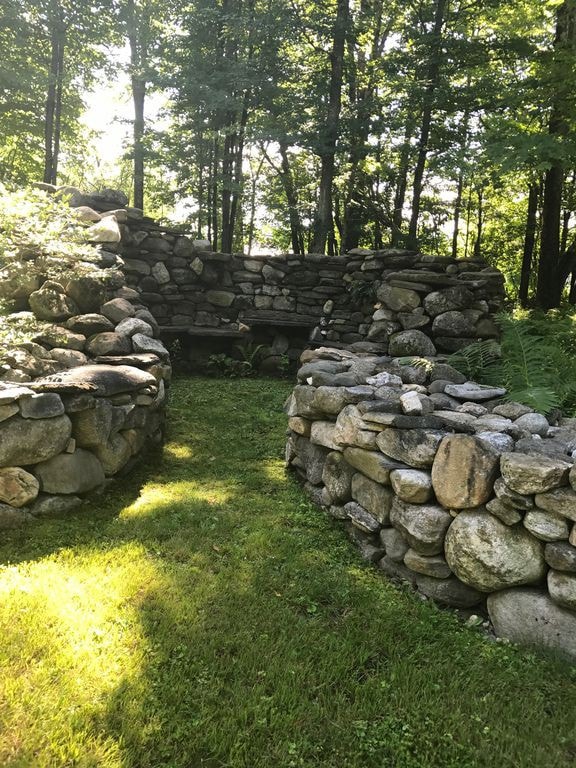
476 358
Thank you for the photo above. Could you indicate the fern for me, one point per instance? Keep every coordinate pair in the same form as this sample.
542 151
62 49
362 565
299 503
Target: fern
476 359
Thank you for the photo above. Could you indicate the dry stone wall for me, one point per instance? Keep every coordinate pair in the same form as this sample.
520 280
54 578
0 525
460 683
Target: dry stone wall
445 485
80 402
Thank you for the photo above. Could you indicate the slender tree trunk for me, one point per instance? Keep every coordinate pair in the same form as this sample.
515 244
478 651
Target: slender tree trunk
402 181
549 289
460 183
138 30
215 166
287 180
529 242
138 97
433 79
53 105
323 224
477 252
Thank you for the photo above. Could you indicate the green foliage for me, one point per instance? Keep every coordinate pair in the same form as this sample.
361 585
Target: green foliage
361 292
535 360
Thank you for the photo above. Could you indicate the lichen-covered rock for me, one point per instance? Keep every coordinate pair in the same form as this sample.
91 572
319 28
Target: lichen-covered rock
533 474
337 477
546 526
453 323
508 515
559 501
449 591
50 302
412 485
70 473
530 617
100 380
472 391
132 325
371 463
114 454
17 487
142 343
448 299
322 433
488 555
512 498
464 472
10 517
414 447
398 299
432 565
29 441
424 526
109 343
411 343
374 497
561 556
394 543
89 325
361 518
562 588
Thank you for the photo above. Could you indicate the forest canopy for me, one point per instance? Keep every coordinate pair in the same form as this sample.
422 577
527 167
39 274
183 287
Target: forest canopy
443 125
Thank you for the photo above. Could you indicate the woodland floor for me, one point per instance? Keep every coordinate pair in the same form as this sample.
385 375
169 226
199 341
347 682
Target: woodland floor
203 614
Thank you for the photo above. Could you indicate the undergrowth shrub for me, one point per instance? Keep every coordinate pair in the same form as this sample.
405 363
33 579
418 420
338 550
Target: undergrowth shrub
535 359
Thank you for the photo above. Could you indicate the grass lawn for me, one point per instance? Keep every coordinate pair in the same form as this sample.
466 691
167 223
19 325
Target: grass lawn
203 614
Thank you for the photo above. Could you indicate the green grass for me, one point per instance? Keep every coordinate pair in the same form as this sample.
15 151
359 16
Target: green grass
205 615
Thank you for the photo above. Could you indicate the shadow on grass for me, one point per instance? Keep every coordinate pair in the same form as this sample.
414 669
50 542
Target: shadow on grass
265 642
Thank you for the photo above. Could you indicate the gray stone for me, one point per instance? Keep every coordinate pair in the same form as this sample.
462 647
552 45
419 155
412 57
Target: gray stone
59 336
530 617
533 474
133 325
464 472
300 402
51 506
17 487
423 526
69 358
562 588
8 410
313 458
87 291
51 303
104 231
446 372
453 323
322 433
546 526
88 325
475 392
160 273
415 404
508 515
512 498
374 497
99 380
533 422
220 298
448 591
412 485
337 477
142 343
411 343
398 299
448 299
299 425
500 442
414 447
29 441
488 555
348 425
367 544
561 556
41 406
92 427
108 344
10 517
434 565
114 454
70 473
394 543
397 570
117 310
371 463
360 518
559 501
511 410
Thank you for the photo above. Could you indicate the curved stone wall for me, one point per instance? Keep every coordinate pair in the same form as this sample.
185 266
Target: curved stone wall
81 401
446 485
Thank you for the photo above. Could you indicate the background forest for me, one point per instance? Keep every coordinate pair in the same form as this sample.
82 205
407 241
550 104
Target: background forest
447 125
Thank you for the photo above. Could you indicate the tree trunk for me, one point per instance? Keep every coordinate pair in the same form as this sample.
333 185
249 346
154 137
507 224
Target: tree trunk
287 180
138 97
323 224
53 105
432 79
477 252
550 285
402 181
529 242
460 183
137 25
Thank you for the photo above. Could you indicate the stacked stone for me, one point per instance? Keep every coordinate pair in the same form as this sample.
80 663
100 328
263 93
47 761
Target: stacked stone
445 484
432 304
63 435
80 402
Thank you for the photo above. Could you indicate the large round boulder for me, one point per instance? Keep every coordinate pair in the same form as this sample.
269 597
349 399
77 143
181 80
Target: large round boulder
411 343
489 555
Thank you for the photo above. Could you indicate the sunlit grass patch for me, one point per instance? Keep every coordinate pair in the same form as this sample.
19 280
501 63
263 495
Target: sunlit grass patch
204 615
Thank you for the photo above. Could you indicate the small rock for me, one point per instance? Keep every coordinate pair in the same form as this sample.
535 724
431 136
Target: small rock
414 447
361 518
394 543
412 485
561 556
117 310
475 392
17 487
337 477
533 474
508 515
423 526
435 565
70 473
562 588
42 406
464 472
371 463
533 422
546 526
